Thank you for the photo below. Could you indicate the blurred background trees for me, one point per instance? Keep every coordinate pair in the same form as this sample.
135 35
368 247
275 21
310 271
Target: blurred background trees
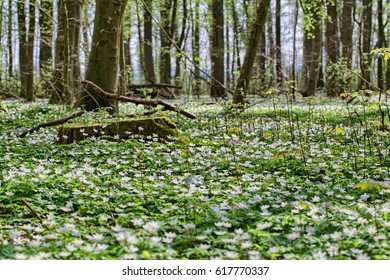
193 48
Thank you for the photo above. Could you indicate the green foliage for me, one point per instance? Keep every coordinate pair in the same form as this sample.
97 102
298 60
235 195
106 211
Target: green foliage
2 107
307 180
383 53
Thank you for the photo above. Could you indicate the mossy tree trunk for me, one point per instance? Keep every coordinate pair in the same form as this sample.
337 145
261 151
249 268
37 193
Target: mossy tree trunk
251 52
104 57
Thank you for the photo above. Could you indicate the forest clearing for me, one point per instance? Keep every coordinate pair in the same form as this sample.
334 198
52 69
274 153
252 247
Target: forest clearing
304 180
194 130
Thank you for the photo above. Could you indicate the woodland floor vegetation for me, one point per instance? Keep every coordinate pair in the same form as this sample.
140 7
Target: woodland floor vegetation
280 180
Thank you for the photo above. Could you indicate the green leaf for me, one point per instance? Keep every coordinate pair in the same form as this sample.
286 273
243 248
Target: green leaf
371 185
340 131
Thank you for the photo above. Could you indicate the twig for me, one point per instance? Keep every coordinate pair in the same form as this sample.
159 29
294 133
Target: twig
34 213
51 123
138 101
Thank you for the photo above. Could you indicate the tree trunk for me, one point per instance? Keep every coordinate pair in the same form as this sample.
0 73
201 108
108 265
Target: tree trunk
294 54
251 52
74 8
46 33
366 32
236 65
346 33
1 36
26 48
165 35
148 49
181 43
196 47
380 44
9 36
103 63
61 90
312 46
262 61
217 49
278 45
332 49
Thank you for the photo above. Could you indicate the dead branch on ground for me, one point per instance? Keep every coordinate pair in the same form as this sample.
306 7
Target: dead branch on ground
51 123
139 101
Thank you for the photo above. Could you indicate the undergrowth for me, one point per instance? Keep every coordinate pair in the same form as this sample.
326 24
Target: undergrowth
279 180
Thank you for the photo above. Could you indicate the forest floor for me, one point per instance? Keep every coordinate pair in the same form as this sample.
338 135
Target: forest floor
279 180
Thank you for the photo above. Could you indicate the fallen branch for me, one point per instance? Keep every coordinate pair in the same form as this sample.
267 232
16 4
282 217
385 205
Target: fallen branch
147 113
138 101
153 86
34 213
52 123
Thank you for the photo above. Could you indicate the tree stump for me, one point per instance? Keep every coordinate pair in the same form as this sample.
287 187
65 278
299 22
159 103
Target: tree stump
160 129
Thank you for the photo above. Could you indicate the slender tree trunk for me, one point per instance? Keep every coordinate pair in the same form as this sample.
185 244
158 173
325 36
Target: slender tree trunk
148 49
346 35
74 8
46 33
217 49
382 42
388 64
263 61
85 28
227 56
312 46
346 31
278 44
253 45
181 42
294 55
61 90
236 37
196 47
165 35
271 50
366 33
26 48
332 49
103 63
10 41
122 65
127 52
1 36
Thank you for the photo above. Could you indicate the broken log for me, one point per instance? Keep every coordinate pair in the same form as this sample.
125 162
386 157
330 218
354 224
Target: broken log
139 101
160 129
51 123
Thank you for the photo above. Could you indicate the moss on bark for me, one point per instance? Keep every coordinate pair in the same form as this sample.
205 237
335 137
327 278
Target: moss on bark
161 128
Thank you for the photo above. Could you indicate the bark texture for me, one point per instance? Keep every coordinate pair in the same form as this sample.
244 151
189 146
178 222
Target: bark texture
251 52
104 57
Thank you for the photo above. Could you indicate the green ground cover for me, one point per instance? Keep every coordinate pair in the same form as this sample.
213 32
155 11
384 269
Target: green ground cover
280 180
